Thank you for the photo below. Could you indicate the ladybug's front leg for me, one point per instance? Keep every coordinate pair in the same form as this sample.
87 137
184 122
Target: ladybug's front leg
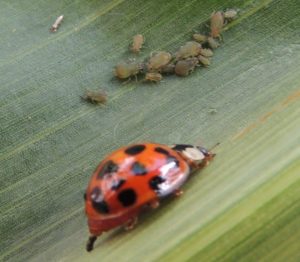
154 204
130 224
178 192
90 243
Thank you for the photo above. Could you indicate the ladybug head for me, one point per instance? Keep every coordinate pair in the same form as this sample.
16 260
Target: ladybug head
208 154
194 153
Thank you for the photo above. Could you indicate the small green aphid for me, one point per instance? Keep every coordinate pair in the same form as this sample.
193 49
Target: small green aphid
95 97
200 38
158 60
189 49
137 43
125 70
212 111
213 43
206 52
204 60
185 67
153 77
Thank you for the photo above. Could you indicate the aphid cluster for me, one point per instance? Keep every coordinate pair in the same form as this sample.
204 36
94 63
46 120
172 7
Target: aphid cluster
183 62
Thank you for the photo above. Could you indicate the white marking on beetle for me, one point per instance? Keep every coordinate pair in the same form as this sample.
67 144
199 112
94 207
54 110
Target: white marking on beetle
193 153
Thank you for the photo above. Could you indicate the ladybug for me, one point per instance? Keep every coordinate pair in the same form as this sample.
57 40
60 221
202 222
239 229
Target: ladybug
136 176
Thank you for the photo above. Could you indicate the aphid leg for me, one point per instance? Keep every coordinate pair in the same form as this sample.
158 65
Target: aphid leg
130 224
225 22
154 204
178 192
90 243
220 38
127 81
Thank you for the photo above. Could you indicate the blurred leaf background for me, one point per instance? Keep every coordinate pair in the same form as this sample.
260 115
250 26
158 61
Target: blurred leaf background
244 207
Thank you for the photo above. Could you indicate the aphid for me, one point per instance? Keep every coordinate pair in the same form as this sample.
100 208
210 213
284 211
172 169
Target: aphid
230 14
204 60
57 23
216 24
185 67
137 43
190 49
200 38
95 97
125 70
158 60
206 52
212 111
168 69
135 177
153 77
212 43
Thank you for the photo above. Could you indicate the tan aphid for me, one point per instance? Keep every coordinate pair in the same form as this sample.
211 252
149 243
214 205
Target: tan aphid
158 60
204 60
153 77
185 67
189 49
125 70
137 43
212 43
95 97
206 52
168 69
200 38
216 24
230 14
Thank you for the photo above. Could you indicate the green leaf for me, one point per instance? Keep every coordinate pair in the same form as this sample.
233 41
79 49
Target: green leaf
243 207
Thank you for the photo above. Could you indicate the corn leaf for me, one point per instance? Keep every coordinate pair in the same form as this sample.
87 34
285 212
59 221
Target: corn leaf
245 206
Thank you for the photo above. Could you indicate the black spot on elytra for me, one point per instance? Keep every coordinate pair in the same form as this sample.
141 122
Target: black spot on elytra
127 197
161 151
101 207
134 150
173 159
108 167
155 181
138 169
181 147
98 202
117 184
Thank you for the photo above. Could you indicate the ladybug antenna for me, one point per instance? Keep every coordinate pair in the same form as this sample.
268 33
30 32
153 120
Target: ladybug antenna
214 146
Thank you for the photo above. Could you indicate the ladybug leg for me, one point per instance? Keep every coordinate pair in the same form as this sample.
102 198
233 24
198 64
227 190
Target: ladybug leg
178 192
90 243
209 159
130 224
154 204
